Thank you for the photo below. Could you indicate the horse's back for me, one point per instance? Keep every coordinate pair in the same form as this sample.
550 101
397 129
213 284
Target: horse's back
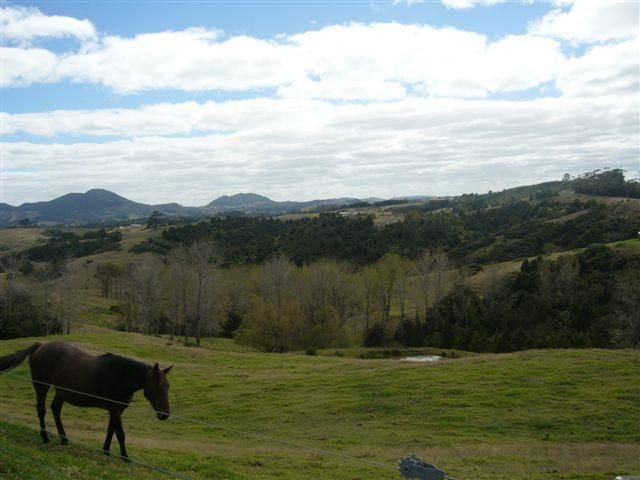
55 355
65 365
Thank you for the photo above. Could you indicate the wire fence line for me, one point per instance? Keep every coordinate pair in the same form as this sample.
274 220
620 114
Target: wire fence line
111 454
254 435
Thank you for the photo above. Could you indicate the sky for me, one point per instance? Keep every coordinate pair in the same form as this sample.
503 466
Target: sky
163 101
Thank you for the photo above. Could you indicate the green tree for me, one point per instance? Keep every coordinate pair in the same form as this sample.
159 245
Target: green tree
266 328
155 219
627 294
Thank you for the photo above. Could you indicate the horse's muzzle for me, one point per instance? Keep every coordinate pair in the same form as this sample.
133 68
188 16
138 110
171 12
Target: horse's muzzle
162 416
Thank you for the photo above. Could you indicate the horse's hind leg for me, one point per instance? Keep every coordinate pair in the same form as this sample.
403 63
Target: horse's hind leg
115 424
41 396
56 409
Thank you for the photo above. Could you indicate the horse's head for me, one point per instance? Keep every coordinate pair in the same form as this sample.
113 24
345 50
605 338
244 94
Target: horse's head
156 390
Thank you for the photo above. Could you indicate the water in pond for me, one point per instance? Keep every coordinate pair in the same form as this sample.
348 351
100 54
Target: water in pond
422 358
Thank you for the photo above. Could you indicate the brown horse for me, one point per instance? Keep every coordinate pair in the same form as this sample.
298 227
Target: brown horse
106 381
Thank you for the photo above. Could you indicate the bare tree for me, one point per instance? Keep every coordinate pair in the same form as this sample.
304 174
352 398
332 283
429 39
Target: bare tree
67 300
424 267
315 289
237 300
401 286
108 275
343 292
11 272
192 269
440 280
389 269
204 261
11 269
182 280
371 288
145 289
276 280
47 274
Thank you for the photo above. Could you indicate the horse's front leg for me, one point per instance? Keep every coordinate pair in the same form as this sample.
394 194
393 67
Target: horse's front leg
106 448
120 435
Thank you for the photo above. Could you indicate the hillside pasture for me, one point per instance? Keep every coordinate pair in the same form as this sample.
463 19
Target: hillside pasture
561 414
14 240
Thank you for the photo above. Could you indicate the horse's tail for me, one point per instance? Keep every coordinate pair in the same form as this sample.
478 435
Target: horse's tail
10 361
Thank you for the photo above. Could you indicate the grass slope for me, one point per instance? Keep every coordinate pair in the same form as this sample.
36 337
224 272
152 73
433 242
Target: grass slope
563 414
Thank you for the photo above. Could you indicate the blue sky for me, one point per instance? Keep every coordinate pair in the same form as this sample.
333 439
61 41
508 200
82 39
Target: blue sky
186 101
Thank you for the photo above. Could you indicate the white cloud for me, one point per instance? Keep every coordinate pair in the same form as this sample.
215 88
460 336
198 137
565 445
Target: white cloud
377 61
468 4
603 70
513 63
303 149
356 62
21 24
193 60
591 21
24 66
344 90
434 61
169 118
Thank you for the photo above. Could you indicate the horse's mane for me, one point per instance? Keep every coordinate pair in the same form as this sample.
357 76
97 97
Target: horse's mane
127 373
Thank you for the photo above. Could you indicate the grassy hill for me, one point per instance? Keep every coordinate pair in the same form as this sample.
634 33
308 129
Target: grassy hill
561 414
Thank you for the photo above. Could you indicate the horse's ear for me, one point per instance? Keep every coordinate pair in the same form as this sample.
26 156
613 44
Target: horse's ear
156 370
167 370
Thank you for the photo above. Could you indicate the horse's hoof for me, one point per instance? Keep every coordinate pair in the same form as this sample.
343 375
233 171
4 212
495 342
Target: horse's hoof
45 439
126 460
106 453
64 441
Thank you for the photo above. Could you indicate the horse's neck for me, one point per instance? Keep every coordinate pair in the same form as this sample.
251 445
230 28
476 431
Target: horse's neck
138 376
130 375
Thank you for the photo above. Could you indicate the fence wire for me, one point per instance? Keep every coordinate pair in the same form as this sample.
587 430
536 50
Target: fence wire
254 435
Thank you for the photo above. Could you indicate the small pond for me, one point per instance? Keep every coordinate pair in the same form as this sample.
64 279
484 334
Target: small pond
422 358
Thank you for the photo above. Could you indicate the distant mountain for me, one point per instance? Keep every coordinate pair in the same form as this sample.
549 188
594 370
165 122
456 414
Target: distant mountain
93 206
242 201
101 206
75 208
253 203
414 198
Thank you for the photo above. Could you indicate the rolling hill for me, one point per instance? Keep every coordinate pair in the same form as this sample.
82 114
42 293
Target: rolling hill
534 415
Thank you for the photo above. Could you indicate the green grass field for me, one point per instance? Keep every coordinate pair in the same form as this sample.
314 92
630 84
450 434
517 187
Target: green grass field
557 414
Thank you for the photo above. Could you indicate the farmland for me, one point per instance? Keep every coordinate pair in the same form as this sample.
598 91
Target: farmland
561 414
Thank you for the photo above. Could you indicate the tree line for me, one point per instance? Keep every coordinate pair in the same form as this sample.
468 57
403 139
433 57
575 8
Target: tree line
469 235
590 299
606 182
62 245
